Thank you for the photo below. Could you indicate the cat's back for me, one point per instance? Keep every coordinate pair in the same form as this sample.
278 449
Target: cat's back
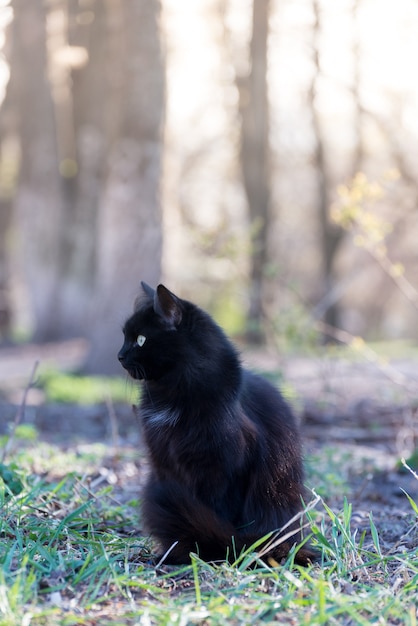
265 405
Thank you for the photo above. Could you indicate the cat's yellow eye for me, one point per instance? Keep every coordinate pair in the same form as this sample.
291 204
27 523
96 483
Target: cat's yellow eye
140 340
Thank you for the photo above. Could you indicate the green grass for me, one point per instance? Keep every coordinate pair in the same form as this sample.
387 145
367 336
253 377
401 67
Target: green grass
71 554
71 388
328 472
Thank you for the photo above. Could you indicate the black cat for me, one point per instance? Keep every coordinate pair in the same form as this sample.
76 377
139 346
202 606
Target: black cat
224 449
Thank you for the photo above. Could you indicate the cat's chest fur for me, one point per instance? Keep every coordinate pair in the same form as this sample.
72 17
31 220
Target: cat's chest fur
154 418
174 436
196 449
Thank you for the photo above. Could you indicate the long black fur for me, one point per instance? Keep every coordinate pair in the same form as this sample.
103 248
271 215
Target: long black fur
224 448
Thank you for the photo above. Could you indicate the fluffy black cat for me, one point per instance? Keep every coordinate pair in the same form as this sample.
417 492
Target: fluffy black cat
226 465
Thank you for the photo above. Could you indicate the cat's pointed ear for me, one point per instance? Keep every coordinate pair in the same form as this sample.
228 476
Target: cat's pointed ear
149 291
167 306
146 293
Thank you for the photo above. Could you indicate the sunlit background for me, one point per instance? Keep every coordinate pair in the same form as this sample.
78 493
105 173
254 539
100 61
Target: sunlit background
124 157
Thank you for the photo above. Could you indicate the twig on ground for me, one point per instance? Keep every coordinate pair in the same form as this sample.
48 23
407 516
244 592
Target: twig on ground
278 537
406 466
165 555
20 412
114 429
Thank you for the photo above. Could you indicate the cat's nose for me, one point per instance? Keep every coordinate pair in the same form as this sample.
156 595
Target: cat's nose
121 356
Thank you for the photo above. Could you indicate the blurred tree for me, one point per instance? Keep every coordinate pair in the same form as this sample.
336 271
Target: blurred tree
255 161
5 220
83 146
38 203
7 184
129 219
330 234
89 96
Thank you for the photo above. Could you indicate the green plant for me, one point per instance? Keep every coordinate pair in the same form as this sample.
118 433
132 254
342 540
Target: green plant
71 388
354 211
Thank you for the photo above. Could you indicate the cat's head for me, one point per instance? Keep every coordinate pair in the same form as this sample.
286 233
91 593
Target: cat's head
152 346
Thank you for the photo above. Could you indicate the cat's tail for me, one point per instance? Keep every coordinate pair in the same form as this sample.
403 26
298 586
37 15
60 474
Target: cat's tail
183 524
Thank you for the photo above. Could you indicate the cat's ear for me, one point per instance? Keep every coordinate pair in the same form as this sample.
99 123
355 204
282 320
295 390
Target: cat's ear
149 291
146 293
167 306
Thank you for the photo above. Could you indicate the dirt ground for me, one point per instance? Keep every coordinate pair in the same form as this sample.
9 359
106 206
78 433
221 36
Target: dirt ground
358 418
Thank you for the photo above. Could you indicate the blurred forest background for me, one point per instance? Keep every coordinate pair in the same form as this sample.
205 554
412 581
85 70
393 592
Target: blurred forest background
258 156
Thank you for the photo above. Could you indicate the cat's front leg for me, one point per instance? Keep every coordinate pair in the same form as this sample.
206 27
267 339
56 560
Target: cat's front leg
183 524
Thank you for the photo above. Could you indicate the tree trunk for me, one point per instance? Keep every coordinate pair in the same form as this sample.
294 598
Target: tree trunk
8 172
129 220
255 161
38 204
85 154
330 234
5 222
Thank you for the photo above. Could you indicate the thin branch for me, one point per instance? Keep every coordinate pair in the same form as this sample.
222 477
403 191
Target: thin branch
20 412
278 538
360 345
406 466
